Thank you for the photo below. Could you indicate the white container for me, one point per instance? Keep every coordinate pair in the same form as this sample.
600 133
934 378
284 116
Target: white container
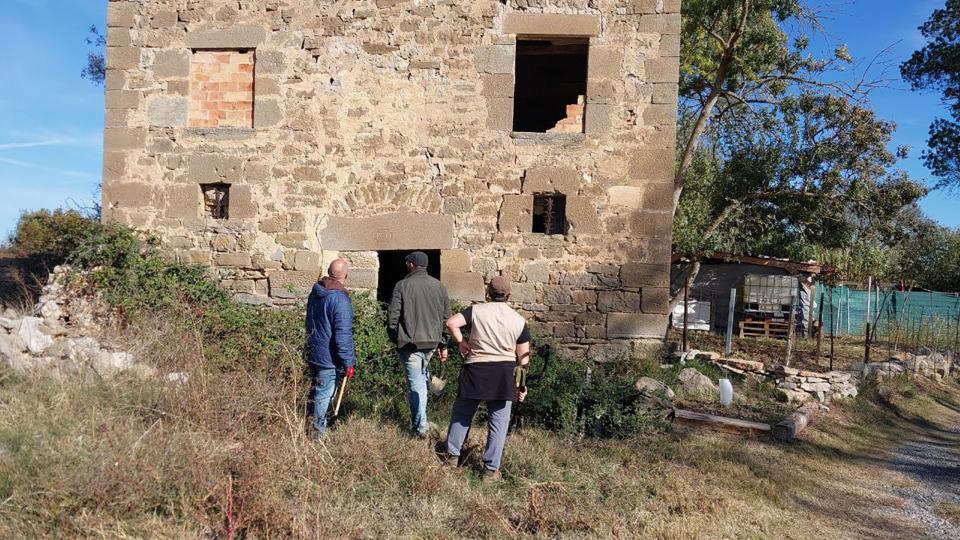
726 392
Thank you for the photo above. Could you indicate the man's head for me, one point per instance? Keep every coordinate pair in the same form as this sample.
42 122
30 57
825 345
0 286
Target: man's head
415 260
499 289
338 270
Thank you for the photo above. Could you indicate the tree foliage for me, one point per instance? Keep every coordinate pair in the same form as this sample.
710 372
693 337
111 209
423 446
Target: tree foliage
96 68
937 67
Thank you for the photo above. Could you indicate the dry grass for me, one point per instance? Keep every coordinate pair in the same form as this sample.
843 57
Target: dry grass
139 457
949 512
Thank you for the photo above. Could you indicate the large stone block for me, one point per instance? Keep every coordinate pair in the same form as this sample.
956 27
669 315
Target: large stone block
500 114
123 57
124 138
362 278
168 111
644 274
240 260
495 59
266 113
454 261
636 326
123 99
618 301
660 23
551 24
598 118
241 36
653 165
655 300
184 202
270 62
242 203
654 115
122 14
658 197
664 93
164 19
670 45
652 224
564 180
114 165
464 286
582 215
171 63
211 168
604 63
388 232
308 261
626 196
516 214
128 194
498 85
291 284
661 70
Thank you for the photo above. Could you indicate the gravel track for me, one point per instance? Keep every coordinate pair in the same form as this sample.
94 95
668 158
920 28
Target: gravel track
934 463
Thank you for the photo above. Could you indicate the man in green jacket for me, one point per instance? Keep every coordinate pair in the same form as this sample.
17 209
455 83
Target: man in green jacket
418 310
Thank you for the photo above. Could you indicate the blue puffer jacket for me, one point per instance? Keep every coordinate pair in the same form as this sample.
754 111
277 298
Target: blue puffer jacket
329 326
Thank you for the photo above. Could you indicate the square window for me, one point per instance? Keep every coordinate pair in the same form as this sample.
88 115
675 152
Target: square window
551 85
550 213
216 200
221 89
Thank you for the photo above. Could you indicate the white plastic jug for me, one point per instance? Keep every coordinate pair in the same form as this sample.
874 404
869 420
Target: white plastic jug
726 392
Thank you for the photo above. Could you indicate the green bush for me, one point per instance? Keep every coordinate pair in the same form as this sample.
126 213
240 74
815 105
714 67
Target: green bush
53 235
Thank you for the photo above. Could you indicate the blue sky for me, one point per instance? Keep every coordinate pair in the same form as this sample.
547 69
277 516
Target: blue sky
51 120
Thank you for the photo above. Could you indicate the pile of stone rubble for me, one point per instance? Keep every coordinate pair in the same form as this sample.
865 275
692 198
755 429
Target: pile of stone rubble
926 363
57 336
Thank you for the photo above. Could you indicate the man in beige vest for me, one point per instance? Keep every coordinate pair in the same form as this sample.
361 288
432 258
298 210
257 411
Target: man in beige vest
499 343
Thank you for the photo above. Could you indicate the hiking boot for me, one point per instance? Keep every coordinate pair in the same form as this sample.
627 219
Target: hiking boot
490 477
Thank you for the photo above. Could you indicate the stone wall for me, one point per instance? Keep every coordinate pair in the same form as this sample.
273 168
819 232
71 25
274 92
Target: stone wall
387 124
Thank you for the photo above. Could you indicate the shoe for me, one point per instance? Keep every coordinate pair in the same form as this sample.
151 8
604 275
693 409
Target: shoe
490 477
317 436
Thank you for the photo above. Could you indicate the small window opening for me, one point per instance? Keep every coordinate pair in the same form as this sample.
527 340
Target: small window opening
393 268
551 85
216 200
550 213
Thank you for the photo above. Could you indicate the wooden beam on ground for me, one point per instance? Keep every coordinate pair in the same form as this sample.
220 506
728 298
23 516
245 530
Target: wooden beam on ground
786 431
721 423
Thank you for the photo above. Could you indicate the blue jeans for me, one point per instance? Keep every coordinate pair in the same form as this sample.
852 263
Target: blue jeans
498 421
324 388
417 367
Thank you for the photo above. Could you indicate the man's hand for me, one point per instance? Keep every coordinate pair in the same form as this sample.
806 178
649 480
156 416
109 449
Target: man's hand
465 350
350 372
442 353
521 394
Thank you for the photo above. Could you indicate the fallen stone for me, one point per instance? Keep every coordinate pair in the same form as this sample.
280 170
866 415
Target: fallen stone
8 323
654 388
178 377
107 362
692 382
50 311
29 333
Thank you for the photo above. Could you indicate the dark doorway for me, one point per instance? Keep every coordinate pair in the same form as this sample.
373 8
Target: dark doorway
393 268
551 75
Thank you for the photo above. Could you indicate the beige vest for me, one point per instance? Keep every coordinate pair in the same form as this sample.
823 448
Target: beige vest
494 332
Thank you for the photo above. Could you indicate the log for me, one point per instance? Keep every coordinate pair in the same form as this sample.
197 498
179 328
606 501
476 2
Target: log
786 430
719 422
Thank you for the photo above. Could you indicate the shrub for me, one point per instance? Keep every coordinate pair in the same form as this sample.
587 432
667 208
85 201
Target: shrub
53 235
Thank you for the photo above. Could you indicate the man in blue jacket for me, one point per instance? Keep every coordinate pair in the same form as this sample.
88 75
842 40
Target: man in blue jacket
329 348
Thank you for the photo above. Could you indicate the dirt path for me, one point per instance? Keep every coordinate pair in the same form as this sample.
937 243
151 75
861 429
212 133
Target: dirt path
934 463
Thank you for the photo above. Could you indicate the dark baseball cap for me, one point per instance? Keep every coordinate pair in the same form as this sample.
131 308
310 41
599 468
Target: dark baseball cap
418 258
499 286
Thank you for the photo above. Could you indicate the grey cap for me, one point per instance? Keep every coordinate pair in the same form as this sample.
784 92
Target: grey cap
418 258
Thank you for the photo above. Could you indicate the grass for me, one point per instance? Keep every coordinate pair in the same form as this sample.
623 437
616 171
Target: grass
135 457
950 512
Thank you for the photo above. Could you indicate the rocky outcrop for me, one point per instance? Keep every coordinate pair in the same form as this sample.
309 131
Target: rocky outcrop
693 383
58 336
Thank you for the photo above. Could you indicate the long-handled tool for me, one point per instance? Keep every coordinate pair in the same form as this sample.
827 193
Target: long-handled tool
341 392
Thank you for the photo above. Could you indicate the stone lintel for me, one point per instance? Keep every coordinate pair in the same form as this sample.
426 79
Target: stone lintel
241 36
636 325
551 24
388 232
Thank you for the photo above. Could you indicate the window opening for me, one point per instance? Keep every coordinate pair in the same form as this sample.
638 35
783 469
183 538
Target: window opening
393 268
550 213
216 200
551 85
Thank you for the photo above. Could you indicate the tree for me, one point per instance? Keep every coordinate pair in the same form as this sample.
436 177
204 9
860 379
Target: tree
735 55
937 67
96 69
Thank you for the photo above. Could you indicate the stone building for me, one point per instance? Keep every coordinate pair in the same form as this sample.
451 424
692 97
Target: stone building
530 138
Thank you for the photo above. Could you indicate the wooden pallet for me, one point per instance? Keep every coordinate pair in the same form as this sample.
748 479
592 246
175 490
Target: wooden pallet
771 329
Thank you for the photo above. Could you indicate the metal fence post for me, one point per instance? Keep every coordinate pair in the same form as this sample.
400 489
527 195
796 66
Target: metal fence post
728 349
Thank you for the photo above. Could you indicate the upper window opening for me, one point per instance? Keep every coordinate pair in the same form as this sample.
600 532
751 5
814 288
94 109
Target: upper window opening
550 213
551 85
216 200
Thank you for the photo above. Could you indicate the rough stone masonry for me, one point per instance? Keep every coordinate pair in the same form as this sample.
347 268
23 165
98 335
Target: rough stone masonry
383 125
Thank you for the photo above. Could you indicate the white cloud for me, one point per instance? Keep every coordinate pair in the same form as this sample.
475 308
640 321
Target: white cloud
54 170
